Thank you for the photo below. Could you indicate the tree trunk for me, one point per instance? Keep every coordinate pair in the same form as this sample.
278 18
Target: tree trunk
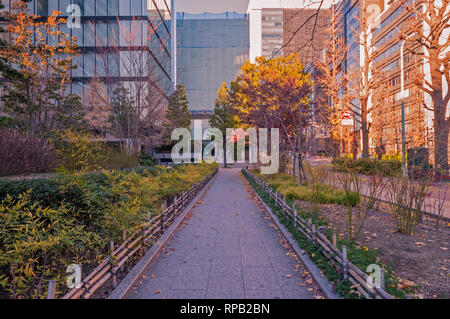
293 167
441 128
364 131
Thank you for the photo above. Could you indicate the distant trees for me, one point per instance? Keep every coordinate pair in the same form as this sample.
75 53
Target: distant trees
178 115
36 64
223 117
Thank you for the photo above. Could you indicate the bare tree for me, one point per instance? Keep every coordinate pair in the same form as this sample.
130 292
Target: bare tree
333 79
363 77
430 29
138 56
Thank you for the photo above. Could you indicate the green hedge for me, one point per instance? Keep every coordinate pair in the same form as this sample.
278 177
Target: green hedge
368 166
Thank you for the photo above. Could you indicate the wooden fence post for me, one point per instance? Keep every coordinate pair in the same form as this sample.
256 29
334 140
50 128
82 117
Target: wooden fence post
175 205
124 234
382 279
295 217
51 289
163 209
113 271
323 230
334 239
314 235
344 262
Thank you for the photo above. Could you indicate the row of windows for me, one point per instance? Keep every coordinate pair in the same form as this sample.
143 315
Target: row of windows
396 64
124 33
391 33
388 52
114 64
91 8
391 18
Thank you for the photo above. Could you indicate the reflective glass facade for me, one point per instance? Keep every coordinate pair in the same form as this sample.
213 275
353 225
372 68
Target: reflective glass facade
211 50
120 41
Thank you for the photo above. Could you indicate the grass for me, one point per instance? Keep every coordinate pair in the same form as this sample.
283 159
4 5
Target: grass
317 193
361 257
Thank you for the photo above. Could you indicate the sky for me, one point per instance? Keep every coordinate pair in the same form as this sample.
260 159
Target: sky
200 6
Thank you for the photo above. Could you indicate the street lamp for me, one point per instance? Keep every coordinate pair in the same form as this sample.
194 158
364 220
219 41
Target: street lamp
402 93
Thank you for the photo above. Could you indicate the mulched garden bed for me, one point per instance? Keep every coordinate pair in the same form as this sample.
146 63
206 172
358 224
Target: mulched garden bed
421 261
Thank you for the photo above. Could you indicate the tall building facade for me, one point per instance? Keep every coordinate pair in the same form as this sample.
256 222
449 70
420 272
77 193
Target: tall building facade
211 48
387 117
266 25
309 41
120 42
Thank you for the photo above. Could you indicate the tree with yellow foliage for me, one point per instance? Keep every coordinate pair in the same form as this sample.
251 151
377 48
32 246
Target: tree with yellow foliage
277 93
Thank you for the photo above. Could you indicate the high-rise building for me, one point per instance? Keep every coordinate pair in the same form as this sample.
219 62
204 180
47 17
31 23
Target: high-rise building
121 42
266 26
305 33
211 50
386 100
387 119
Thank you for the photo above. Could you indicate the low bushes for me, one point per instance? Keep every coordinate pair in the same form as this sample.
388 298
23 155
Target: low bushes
47 225
361 257
386 167
78 152
24 154
317 193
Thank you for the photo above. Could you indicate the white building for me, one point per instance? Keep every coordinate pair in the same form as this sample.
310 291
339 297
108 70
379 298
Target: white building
266 24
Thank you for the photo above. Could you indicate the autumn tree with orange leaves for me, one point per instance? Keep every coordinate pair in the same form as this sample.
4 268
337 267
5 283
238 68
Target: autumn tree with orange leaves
41 55
277 93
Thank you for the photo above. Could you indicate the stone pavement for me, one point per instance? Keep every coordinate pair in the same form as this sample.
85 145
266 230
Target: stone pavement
227 249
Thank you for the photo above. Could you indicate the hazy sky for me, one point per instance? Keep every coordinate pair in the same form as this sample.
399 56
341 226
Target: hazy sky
199 6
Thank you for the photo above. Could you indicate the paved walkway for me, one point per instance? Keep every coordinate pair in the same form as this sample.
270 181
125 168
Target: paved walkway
228 249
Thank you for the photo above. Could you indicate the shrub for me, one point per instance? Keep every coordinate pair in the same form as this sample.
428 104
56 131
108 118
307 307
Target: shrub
391 167
406 197
78 152
316 193
34 241
47 224
24 154
147 160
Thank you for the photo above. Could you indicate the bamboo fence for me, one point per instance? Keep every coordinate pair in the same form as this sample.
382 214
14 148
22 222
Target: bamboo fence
133 246
338 259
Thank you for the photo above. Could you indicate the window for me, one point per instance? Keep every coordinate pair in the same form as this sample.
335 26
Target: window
101 33
136 9
89 64
89 8
102 8
89 34
64 4
124 7
113 33
113 7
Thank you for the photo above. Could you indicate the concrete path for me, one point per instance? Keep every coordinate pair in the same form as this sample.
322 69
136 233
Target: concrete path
227 249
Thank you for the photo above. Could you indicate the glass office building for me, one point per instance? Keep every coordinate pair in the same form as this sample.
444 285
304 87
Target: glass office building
120 41
211 49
